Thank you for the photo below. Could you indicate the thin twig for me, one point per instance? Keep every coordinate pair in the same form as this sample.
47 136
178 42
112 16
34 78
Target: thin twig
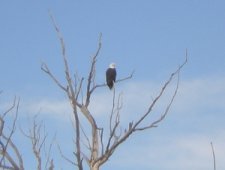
7 111
64 157
47 155
86 137
45 68
79 88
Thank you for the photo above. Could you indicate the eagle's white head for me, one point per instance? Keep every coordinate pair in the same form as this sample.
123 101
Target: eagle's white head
112 65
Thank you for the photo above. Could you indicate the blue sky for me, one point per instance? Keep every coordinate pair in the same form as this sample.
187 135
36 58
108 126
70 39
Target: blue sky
147 36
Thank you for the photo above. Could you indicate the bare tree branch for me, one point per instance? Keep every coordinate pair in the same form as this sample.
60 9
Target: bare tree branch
214 157
79 89
47 155
70 93
16 151
2 122
101 132
45 68
11 160
116 121
64 157
92 72
154 124
38 136
112 111
160 94
88 146
17 162
13 126
51 167
126 78
7 111
37 142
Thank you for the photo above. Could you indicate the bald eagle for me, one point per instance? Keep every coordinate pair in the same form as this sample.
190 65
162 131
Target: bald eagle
111 75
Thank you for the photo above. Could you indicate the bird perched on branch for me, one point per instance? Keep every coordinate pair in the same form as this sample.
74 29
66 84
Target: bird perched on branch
111 75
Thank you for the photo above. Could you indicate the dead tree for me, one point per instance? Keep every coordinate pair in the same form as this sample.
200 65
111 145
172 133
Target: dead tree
10 157
100 151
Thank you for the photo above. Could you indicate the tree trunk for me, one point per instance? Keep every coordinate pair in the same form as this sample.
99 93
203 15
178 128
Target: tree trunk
95 167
